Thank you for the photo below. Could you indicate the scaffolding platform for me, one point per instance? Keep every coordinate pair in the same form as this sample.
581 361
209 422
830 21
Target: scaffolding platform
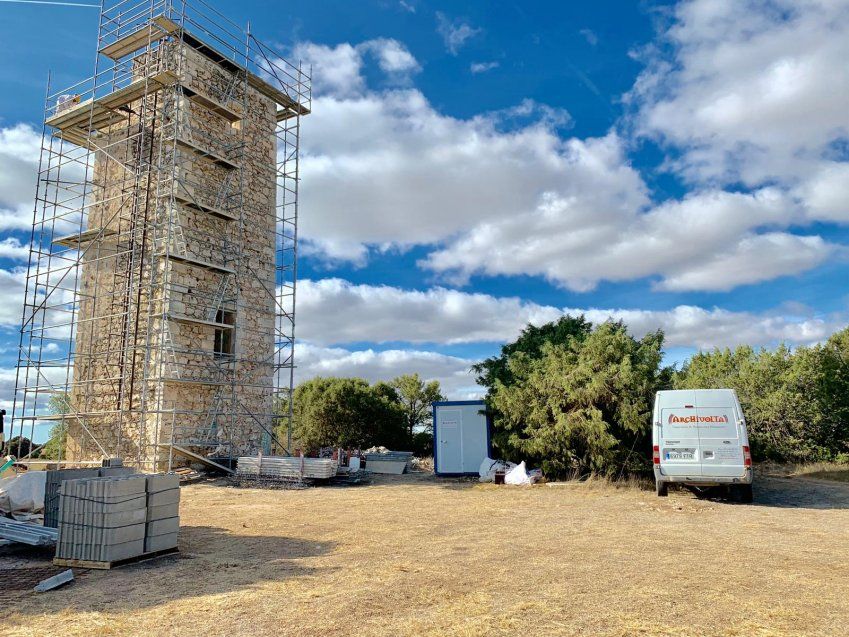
212 105
207 153
78 239
99 113
182 318
158 28
195 205
201 263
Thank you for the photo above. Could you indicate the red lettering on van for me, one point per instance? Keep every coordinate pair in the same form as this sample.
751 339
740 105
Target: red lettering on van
696 419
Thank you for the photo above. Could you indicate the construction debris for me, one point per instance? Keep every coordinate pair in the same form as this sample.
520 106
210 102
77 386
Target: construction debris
287 467
386 461
22 496
25 533
55 582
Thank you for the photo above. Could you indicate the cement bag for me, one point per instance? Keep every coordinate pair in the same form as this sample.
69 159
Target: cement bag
23 496
517 475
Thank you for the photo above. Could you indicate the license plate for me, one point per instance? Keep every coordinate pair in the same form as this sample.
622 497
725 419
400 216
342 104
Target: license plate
681 454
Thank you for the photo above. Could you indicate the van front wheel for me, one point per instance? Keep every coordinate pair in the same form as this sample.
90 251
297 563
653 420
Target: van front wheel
661 488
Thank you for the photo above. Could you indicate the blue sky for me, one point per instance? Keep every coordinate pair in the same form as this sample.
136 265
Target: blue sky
471 167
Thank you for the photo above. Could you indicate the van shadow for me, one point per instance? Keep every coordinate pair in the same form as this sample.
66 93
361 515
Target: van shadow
211 561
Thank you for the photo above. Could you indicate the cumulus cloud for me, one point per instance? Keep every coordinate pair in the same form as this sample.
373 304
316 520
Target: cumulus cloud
12 248
754 92
453 373
19 152
506 193
455 33
337 70
386 314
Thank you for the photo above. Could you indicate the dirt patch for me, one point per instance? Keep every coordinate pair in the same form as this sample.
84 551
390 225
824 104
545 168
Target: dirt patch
423 556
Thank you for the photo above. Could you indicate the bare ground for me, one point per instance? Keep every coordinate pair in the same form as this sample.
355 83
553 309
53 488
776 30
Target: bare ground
421 556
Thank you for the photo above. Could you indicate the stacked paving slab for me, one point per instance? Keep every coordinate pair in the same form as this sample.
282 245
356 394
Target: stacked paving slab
163 513
56 477
117 518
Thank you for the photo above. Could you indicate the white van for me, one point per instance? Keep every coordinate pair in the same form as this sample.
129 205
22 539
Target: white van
699 439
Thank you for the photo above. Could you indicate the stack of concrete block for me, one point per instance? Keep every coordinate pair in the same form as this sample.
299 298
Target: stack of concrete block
102 519
163 512
56 477
117 518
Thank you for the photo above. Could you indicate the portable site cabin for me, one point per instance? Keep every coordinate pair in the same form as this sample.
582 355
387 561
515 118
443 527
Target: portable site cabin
461 431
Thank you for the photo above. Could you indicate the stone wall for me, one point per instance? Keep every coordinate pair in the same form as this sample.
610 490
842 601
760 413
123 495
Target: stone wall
145 358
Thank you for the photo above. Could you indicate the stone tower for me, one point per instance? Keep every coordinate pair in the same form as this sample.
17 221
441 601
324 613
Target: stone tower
183 251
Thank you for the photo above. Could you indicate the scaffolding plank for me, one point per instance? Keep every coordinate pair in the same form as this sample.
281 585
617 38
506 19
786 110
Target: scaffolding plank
201 263
209 154
218 212
211 104
101 112
182 318
86 236
156 29
196 456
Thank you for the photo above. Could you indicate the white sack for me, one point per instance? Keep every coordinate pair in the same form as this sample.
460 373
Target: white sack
489 467
23 496
518 475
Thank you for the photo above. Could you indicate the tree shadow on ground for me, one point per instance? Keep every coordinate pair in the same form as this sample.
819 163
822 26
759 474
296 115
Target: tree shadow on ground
793 493
211 561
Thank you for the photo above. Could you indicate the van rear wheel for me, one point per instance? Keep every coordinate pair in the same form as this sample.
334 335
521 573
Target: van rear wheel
661 488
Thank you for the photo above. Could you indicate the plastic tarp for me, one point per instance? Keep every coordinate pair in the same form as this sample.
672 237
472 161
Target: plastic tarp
22 497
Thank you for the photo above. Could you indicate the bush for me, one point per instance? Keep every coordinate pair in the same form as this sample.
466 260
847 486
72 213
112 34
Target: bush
422 446
796 402
583 405
346 412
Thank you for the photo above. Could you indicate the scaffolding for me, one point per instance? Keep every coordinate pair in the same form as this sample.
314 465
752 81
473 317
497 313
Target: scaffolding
159 316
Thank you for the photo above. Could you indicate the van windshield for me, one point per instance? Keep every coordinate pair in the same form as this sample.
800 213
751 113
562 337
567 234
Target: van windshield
710 422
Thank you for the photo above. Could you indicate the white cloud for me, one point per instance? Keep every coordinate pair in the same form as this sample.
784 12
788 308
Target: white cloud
392 57
12 248
13 283
483 67
586 233
455 33
385 314
755 92
452 373
337 70
506 193
19 152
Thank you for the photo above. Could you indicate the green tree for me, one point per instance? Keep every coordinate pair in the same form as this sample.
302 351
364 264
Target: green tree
346 412
581 405
416 396
54 448
796 402
530 343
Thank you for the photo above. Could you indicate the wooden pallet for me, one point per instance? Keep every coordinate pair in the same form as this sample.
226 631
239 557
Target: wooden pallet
58 561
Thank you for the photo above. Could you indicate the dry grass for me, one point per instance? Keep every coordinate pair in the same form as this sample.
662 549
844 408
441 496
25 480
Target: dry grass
420 556
814 470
